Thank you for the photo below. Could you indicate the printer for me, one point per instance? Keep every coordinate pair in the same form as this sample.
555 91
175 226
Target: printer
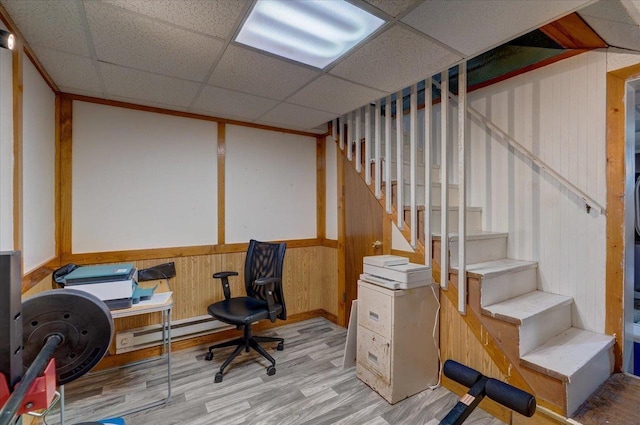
395 272
112 283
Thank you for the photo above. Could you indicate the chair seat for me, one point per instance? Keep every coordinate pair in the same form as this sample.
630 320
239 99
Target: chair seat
241 310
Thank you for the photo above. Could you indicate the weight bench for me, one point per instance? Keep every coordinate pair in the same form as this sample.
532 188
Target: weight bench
479 387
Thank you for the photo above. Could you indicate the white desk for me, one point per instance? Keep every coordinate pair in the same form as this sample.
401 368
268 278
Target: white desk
161 301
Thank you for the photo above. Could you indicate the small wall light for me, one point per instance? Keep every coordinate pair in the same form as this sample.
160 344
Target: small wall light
7 40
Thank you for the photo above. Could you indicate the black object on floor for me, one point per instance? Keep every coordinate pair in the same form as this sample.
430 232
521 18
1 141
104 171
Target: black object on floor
479 387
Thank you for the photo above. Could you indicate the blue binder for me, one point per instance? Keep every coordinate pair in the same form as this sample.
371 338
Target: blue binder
99 274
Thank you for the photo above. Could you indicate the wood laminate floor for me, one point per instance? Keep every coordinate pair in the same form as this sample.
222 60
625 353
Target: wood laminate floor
310 387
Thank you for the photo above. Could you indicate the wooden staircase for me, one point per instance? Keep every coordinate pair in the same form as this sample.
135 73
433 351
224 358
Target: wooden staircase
559 363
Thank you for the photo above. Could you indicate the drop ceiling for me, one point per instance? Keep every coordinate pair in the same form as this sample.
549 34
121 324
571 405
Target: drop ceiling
180 54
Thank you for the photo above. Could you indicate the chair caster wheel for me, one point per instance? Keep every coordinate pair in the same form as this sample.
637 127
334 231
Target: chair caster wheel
280 346
209 356
218 378
271 370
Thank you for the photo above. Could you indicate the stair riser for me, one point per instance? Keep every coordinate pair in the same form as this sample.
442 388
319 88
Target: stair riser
474 221
508 285
479 250
536 331
435 194
588 379
547 388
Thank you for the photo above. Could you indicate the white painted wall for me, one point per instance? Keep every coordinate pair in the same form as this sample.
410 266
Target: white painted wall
331 194
270 185
142 180
6 150
558 113
38 181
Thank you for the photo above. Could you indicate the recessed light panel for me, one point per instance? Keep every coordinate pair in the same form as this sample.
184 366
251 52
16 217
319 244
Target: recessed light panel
314 32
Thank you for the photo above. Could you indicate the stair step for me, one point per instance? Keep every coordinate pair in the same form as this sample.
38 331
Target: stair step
472 235
436 191
495 268
474 218
539 315
525 307
503 279
580 358
480 247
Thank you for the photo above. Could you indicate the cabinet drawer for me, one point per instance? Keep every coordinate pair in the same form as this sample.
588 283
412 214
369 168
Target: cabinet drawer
374 354
374 311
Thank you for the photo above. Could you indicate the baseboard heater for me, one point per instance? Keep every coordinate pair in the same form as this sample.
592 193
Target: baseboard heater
150 336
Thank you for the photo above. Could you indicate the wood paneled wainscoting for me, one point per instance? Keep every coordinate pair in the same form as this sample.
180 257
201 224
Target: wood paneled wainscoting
310 287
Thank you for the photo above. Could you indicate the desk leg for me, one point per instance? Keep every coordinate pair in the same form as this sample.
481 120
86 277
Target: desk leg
166 326
61 404
168 321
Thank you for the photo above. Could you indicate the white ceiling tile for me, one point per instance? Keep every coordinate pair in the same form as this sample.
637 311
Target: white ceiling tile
475 26
131 40
134 84
54 24
68 70
392 7
223 102
610 10
213 17
394 60
249 71
334 95
297 116
616 33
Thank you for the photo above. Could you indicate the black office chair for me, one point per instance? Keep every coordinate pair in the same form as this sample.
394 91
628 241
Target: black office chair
264 300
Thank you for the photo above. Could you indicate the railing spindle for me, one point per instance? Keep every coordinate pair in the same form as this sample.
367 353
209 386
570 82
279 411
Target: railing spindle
367 144
358 140
378 171
387 153
399 162
427 171
462 198
444 182
413 158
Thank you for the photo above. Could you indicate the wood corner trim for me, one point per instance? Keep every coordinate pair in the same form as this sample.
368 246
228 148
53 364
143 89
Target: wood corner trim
572 32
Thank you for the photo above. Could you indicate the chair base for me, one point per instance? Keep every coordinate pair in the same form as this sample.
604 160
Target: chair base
247 342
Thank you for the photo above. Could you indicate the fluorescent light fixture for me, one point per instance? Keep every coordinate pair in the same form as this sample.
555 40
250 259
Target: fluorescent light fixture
314 32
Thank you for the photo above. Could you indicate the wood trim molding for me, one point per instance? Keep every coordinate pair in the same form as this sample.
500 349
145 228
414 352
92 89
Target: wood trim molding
342 308
13 28
57 174
18 88
35 276
616 175
183 114
157 253
321 187
329 243
572 32
222 152
120 359
64 175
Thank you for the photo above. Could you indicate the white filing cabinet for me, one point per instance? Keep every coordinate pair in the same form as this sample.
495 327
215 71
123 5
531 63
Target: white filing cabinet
396 355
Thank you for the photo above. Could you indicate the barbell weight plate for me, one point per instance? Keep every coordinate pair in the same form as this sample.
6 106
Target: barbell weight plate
81 319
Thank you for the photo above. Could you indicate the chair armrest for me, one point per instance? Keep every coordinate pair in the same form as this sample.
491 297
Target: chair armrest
225 282
269 282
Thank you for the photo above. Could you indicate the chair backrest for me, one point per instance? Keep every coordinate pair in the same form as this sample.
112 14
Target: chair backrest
265 260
